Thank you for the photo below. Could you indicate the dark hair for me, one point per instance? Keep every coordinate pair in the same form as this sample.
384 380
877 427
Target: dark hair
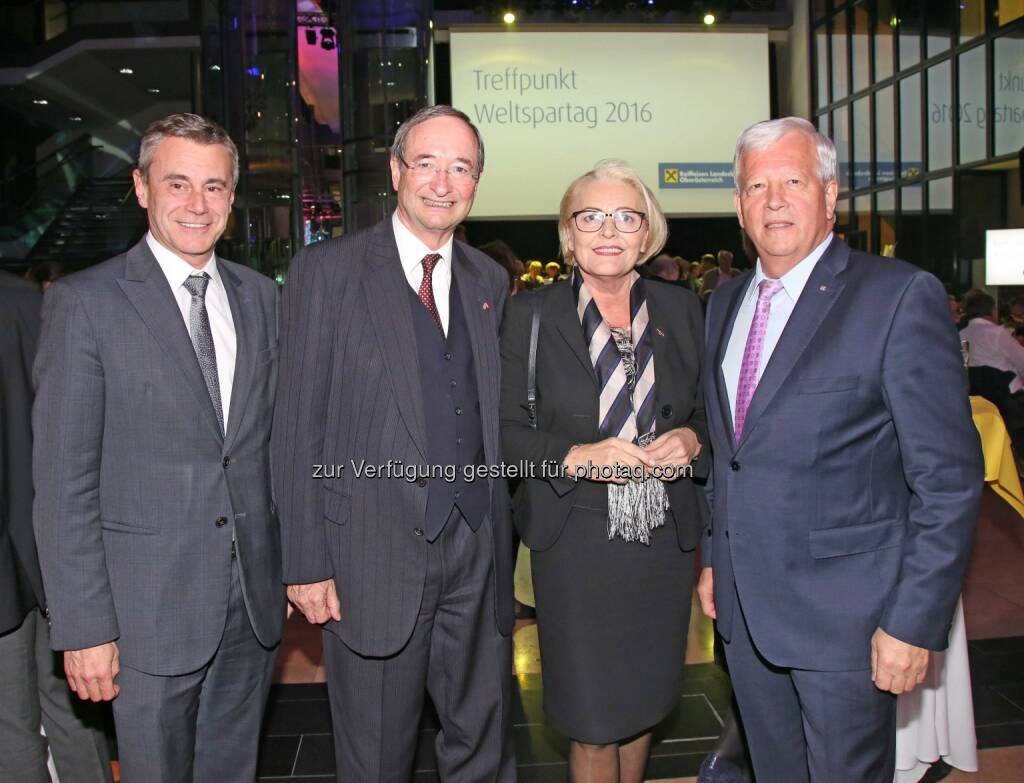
978 304
505 256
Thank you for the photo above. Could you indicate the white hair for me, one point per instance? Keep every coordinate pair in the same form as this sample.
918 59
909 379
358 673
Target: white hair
762 135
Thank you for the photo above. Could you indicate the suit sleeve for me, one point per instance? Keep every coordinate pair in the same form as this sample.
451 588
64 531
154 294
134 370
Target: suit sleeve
520 442
300 411
68 419
925 389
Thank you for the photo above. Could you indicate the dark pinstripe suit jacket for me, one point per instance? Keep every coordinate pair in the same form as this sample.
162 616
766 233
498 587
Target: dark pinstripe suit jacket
349 393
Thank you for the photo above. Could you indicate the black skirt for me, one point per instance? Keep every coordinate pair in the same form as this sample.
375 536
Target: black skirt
612 620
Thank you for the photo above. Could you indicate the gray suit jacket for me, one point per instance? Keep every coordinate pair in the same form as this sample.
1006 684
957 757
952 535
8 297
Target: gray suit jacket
21 586
137 490
350 390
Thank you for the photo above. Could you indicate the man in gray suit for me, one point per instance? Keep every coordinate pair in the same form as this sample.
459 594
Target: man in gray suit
388 402
157 535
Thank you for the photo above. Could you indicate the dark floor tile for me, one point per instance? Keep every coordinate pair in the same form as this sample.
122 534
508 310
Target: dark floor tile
1000 735
1014 693
682 765
990 707
303 692
539 744
1006 644
297 717
692 718
277 756
316 755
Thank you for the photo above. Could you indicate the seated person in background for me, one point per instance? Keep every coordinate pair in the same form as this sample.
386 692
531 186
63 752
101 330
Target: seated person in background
995 362
504 255
989 343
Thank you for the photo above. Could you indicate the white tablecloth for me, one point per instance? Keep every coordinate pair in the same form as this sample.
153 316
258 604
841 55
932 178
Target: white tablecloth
936 719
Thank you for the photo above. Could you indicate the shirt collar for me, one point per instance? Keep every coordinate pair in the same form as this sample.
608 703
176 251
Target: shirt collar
411 249
176 269
795 279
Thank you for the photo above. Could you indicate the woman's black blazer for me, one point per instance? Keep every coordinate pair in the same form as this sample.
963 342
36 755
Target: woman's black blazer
567 406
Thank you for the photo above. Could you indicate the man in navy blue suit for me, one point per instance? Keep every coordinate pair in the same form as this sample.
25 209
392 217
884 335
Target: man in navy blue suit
847 473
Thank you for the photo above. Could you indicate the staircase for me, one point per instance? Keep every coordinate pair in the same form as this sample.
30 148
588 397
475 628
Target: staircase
100 220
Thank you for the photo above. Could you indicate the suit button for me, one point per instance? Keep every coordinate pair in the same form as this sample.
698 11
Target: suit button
221 521
421 482
458 441
734 465
666 411
452 383
458 411
226 461
448 356
457 494
417 531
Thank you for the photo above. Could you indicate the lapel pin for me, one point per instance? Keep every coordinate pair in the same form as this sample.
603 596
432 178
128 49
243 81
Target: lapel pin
823 288
487 306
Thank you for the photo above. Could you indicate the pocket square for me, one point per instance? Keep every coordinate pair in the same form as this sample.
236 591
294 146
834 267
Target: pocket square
486 306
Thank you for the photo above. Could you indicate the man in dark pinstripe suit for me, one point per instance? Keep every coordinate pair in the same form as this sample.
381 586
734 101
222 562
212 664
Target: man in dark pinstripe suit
394 536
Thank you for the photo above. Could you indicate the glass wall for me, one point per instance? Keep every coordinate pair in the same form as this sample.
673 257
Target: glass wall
916 92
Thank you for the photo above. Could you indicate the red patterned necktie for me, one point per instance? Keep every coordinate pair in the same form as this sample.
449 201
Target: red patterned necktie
426 292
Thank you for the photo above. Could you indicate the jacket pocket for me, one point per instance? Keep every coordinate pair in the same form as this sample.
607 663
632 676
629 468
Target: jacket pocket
336 506
124 527
827 385
854 539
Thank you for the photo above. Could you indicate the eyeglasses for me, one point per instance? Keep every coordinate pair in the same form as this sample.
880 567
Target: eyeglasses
424 168
628 221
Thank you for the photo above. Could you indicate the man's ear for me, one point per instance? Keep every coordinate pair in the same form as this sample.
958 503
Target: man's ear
141 192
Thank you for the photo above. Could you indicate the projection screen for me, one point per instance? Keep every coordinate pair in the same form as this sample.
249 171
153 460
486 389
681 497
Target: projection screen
550 103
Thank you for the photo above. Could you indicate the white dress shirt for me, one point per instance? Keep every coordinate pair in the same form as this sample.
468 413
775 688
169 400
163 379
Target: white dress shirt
991 345
783 302
222 325
411 252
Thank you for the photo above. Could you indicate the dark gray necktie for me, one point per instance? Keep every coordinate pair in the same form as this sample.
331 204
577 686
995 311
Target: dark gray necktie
202 339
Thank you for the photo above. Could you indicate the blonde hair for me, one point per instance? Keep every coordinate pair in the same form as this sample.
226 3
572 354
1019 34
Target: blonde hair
620 171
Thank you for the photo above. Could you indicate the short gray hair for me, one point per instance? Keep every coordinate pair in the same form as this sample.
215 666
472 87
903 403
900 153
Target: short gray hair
762 135
431 113
185 126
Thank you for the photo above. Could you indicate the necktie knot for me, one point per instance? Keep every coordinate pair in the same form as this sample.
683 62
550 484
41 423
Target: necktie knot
429 262
767 288
196 284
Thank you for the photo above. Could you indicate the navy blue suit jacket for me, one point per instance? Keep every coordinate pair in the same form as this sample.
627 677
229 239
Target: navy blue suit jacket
851 499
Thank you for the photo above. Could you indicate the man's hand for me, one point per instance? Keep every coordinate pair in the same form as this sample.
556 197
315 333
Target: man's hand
91 671
706 593
896 667
317 601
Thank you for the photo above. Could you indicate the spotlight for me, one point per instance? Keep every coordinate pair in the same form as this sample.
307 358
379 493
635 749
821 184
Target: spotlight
509 18
709 19
311 36
327 41
126 71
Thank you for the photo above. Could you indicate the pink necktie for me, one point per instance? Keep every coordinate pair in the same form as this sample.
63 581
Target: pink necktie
426 292
750 369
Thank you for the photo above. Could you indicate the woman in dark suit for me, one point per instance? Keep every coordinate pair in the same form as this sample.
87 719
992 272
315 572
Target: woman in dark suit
611 513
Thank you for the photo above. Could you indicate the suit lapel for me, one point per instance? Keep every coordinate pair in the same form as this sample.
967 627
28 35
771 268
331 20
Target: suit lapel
566 319
819 294
385 287
482 338
724 330
149 293
666 364
242 313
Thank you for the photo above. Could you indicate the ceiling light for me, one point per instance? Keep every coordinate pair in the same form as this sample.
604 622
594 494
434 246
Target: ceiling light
509 18
75 118
40 101
153 90
709 19
126 71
